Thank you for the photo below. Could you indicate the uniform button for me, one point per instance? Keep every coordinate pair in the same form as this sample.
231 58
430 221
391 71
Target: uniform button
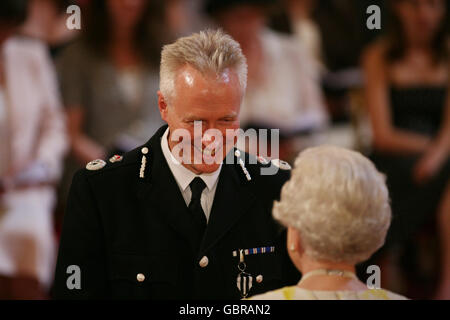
259 278
140 277
204 262
144 150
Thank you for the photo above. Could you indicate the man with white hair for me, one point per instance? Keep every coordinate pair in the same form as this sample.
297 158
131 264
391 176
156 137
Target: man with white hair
171 219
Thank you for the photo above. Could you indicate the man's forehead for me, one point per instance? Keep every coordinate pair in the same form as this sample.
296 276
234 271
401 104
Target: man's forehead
194 114
189 76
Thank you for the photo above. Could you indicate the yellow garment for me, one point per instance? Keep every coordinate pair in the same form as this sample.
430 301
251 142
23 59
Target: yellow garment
296 293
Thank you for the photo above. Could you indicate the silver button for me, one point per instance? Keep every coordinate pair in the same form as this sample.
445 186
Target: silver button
259 278
204 262
140 277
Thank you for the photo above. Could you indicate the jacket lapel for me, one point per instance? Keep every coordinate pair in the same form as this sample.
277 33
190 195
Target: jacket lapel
232 199
160 195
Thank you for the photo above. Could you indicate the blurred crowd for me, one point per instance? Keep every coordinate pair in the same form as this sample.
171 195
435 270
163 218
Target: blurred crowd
315 71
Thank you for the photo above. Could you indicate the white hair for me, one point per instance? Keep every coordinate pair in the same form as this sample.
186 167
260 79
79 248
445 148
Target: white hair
209 51
338 202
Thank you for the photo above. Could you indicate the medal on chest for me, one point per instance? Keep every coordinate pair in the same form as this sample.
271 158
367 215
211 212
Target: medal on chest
244 280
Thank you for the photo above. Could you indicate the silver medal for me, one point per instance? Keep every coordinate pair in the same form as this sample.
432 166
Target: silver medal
244 280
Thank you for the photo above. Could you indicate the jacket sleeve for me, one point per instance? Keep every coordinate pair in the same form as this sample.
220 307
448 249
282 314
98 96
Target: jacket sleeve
82 247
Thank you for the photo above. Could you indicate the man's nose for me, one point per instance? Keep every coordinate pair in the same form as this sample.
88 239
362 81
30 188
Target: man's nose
207 138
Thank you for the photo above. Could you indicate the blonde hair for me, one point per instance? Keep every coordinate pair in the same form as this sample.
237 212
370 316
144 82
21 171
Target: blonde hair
209 51
338 202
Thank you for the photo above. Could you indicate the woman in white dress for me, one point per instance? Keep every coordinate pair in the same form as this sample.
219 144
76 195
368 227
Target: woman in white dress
32 144
336 208
283 90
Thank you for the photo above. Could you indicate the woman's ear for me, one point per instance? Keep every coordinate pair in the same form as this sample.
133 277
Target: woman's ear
293 240
294 247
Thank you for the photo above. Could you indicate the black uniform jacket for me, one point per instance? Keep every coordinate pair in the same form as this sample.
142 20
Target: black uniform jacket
134 238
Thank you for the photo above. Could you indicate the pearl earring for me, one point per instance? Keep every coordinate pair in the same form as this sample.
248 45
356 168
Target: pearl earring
292 247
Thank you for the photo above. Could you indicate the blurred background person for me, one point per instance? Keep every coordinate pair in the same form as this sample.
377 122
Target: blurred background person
337 31
283 79
32 142
342 26
109 78
304 26
46 20
407 82
184 17
343 188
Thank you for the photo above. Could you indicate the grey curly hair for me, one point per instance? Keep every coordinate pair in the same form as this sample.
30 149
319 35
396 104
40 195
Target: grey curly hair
338 202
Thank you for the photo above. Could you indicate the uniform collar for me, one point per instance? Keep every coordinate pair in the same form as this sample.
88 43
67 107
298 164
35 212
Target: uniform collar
182 175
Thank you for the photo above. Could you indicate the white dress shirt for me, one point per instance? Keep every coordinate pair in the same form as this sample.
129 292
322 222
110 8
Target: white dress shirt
184 177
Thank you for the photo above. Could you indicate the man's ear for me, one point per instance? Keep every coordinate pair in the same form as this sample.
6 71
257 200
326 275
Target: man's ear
162 106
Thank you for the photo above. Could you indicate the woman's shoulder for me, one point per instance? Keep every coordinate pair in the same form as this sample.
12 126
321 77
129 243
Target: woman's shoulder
375 51
380 294
285 293
278 294
24 45
31 54
295 293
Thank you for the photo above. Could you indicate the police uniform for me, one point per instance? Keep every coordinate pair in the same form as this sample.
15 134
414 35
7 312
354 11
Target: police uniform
128 229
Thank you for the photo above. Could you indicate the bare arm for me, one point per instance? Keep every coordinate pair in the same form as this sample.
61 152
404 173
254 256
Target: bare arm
442 139
386 137
437 152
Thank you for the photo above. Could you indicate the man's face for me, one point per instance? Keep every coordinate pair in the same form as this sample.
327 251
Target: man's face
210 100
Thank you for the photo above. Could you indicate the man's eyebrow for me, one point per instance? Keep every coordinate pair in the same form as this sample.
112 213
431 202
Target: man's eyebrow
231 115
191 117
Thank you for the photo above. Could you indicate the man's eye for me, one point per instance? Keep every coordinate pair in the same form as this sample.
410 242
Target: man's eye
195 122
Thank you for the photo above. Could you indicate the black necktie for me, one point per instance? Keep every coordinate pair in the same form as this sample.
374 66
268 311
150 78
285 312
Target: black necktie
195 207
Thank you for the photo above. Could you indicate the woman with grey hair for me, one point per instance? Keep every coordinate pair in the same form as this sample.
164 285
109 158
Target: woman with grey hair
336 208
